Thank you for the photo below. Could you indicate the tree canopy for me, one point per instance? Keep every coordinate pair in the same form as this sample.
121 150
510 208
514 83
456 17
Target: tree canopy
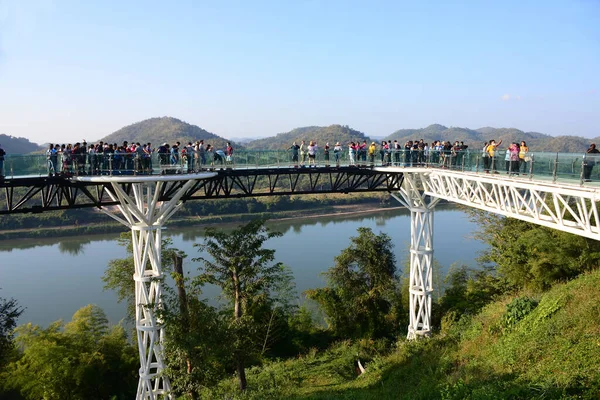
361 297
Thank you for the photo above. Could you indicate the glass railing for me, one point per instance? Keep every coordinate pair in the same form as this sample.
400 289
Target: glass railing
572 167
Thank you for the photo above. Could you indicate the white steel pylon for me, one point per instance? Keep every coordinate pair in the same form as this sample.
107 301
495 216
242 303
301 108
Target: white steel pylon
421 255
145 215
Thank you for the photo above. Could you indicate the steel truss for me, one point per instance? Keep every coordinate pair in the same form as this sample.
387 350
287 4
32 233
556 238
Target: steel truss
22 195
421 254
141 210
566 208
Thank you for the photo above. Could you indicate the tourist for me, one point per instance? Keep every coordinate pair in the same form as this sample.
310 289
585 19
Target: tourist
351 152
229 153
589 162
337 151
202 154
372 150
51 160
210 155
294 148
491 150
303 153
396 153
312 153
219 157
524 158
486 158
326 154
363 152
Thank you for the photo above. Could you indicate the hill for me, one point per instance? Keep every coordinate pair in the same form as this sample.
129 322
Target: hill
476 137
164 130
17 145
321 134
508 350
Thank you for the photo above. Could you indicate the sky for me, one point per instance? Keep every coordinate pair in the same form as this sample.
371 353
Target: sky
73 70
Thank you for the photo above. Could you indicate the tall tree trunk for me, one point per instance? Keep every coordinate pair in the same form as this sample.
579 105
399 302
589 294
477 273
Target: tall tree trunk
183 308
237 314
241 371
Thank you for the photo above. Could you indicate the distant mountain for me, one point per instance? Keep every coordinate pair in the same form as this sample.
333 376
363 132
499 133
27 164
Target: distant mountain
164 130
321 134
475 138
18 145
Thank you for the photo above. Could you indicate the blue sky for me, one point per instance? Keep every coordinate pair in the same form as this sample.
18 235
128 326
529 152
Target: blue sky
71 70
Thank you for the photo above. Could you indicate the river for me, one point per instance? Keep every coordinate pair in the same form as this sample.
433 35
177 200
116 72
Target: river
54 277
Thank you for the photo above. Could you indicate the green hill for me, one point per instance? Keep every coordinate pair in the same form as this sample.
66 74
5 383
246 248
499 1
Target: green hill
18 145
550 352
164 130
321 134
475 138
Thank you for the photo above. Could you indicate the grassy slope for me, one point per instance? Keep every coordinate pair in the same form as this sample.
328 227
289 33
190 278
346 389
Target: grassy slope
552 353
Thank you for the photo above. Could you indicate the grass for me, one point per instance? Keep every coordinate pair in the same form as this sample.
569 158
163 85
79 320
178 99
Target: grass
553 352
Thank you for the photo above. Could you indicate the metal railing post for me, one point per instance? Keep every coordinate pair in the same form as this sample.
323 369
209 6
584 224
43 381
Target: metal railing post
555 169
532 158
581 174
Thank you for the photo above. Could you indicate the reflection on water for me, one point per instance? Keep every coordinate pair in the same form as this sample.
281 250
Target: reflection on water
53 277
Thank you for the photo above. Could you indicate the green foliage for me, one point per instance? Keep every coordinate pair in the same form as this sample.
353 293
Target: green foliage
253 287
9 313
466 291
88 360
197 340
361 298
532 256
516 310
550 353
118 273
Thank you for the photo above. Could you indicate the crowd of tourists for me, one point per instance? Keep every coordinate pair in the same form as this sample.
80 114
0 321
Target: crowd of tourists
387 153
111 158
516 158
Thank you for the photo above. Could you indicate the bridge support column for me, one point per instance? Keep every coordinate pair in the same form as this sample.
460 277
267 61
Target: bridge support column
145 215
421 256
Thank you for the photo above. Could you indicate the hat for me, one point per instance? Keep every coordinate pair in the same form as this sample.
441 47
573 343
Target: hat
337 144
372 142
165 144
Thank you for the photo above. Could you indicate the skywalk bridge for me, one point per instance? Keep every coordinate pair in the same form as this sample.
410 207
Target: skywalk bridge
549 190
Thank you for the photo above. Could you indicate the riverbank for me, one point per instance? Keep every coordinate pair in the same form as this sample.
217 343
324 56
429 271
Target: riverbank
198 221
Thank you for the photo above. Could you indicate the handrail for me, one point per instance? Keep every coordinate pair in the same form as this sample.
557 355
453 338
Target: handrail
578 167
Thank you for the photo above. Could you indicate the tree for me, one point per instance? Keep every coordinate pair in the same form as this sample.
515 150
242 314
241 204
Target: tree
361 297
533 256
85 360
9 313
243 269
196 340
118 274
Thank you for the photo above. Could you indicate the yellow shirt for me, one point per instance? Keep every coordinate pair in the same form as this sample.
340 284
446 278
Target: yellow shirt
491 149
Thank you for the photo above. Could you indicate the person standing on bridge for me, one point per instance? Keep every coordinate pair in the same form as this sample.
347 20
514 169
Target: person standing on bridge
52 159
303 152
312 154
491 150
337 152
351 153
589 162
294 148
